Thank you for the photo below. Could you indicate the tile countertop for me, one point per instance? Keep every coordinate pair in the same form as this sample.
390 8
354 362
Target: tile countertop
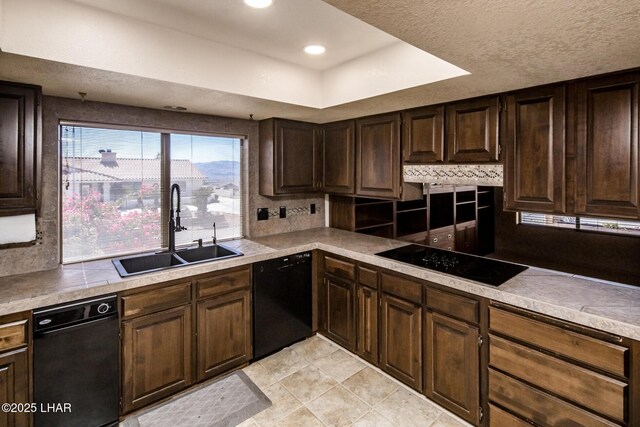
606 306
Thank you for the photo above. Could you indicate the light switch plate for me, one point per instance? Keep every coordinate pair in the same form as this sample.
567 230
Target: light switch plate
263 214
283 211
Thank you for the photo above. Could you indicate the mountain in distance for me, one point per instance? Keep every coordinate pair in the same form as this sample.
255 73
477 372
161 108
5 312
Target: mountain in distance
220 170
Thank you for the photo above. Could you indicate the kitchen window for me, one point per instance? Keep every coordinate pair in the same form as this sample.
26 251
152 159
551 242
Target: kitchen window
115 197
599 225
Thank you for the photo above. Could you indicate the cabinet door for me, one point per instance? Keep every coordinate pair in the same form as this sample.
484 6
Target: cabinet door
14 386
401 340
607 147
340 311
378 163
466 240
156 356
535 150
423 135
451 368
368 324
19 135
295 155
288 157
472 130
224 333
338 158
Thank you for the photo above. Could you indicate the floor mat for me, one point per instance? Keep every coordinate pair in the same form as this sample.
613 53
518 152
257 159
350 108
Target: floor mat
225 403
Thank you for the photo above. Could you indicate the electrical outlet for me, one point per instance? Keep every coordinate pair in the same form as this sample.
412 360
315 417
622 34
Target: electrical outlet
263 214
313 208
283 211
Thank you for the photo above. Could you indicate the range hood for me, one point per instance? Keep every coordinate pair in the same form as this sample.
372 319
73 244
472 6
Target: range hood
477 174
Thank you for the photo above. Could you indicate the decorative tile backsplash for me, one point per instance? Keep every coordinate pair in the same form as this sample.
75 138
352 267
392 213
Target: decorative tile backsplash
490 175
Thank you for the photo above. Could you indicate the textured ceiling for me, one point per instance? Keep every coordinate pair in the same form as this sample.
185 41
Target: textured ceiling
505 45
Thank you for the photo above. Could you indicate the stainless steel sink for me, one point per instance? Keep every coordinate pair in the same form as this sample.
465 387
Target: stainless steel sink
206 253
140 264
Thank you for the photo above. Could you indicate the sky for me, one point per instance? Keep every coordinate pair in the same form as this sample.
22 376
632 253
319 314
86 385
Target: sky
85 142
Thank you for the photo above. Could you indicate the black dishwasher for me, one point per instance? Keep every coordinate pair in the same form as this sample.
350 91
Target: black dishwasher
281 303
76 364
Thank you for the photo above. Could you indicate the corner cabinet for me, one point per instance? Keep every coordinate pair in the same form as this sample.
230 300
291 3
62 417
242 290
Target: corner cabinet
534 158
472 130
338 158
288 157
607 146
378 159
14 368
20 145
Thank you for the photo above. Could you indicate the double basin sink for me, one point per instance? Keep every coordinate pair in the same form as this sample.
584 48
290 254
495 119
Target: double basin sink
140 264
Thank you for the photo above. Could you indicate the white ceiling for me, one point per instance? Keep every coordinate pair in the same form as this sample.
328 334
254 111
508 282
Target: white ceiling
504 44
280 31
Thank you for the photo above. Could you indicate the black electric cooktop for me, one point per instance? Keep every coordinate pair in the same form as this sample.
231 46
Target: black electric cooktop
488 271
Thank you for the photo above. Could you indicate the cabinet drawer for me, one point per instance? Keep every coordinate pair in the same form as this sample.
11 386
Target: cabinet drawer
442 238
401 287
453 305
536 405
587 388
157 299
223 282
368 277
13 335
340 268
591 351
500 418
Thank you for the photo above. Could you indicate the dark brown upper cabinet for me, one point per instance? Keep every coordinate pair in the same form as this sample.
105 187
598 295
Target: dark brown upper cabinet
338 157
378 162
288 157
423 134
534 160
20 142
472 130
607 146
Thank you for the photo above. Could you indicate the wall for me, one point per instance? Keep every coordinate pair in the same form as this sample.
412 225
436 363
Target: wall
47 255
591 254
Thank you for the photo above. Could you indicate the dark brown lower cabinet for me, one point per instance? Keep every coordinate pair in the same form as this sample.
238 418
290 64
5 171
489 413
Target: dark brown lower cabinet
367 339
465 239
14 386
451 365
401 340
224 333
341 311
156 356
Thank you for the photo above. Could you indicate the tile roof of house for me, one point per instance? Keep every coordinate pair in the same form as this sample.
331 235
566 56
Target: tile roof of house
93 169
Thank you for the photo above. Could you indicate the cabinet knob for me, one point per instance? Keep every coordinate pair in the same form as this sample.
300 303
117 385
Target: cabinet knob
449 236
435 240
448 248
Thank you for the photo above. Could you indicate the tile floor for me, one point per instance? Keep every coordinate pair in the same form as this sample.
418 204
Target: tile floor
317 383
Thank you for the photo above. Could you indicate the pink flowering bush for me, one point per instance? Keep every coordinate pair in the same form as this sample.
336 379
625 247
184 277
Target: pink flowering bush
92 227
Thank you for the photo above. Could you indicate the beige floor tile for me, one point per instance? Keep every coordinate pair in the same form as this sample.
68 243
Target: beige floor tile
284 363
300 418
406 409
373 419
338 407
259 375
314 348
446 420
308 383
283 403
370 386
340 365
248 423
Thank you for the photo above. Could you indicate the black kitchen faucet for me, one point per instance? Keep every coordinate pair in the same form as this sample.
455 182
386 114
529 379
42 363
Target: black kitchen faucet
174 225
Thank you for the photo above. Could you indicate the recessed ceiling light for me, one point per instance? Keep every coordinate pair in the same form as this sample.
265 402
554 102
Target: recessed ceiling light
314 49
258 4
175 108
